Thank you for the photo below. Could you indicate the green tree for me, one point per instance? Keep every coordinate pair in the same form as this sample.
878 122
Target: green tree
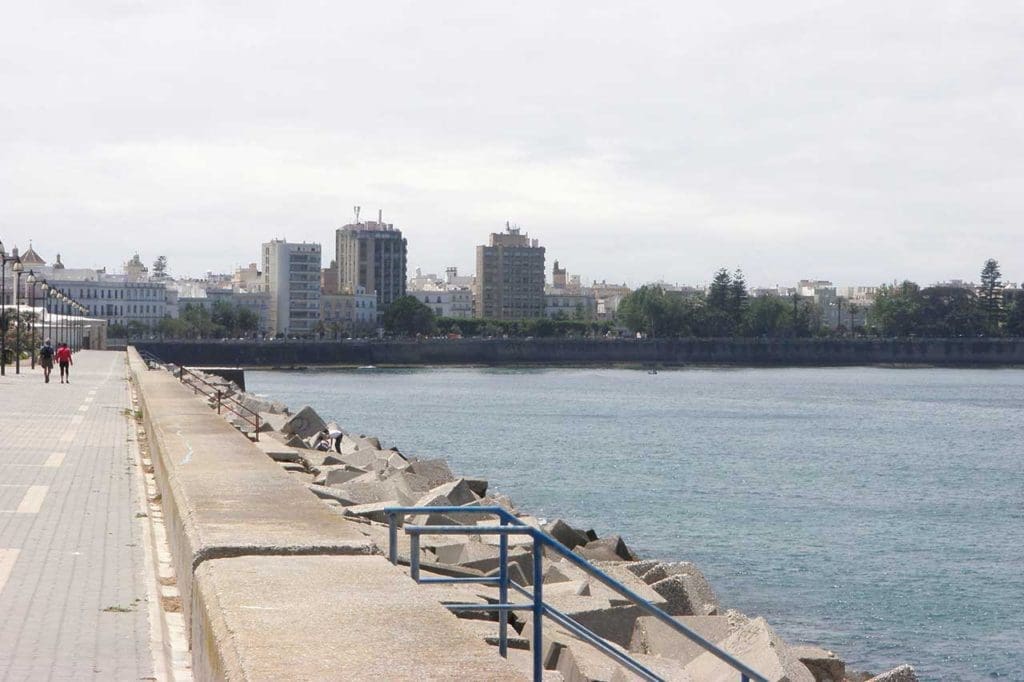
948 312
897 309
1014 324
646 310
738 296
160 268
135 329
990 297
725 301
767 316
247 321
198 324
408 316
169 327
224 318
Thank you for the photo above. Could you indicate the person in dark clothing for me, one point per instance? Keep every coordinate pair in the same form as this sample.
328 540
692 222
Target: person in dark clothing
46 360
64 361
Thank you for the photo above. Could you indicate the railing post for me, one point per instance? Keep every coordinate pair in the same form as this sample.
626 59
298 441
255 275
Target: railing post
257 426
503 592
538 610
218 401
392 538
414 556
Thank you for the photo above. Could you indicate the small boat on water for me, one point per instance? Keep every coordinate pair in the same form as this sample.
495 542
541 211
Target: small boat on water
367 367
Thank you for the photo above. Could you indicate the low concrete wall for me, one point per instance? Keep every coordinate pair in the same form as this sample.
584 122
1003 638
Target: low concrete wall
231 511
746 352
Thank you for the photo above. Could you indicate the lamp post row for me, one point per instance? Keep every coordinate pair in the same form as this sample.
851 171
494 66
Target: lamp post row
65 326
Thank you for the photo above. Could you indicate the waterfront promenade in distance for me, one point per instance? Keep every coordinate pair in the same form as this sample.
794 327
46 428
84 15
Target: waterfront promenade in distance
74 587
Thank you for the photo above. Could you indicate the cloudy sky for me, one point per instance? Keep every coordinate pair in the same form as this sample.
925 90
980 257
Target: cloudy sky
854 141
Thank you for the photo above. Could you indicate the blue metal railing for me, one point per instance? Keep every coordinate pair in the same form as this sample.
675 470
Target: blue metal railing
509 524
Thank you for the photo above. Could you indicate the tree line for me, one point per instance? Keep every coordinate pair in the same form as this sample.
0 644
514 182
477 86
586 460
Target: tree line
727 309
904 309
907 309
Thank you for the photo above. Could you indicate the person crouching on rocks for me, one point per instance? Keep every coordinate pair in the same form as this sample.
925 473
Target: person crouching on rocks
64 361
46 360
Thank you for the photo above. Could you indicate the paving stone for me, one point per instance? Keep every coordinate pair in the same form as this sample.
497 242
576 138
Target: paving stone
74 601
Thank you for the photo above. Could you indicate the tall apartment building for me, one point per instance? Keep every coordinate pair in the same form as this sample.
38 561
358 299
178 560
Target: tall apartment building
510 277
371 255
291 275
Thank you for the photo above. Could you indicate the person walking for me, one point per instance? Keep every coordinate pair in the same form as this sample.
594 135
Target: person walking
46 360
64 361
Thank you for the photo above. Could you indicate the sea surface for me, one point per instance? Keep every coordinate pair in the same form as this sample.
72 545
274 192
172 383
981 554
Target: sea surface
877 512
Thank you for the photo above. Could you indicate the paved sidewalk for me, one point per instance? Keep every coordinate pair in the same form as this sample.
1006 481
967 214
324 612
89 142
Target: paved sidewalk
73 584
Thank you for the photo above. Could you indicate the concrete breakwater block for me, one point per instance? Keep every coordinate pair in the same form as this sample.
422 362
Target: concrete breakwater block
823 664
566 534
665 668
304 423
434 470
337 475
758 646
687 595
904 673
612 548
651 636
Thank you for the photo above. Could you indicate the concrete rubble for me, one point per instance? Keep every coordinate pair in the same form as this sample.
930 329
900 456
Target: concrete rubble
363 479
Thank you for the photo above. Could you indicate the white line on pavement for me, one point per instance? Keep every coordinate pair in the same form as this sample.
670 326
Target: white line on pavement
7 559
54 460
33 500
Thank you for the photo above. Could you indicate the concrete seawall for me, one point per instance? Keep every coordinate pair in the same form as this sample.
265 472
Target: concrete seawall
273 584
741 352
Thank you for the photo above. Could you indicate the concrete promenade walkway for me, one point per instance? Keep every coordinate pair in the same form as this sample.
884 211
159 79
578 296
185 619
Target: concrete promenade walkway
74 587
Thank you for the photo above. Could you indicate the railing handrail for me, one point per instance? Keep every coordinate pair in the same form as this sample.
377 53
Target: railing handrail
540 540
229 402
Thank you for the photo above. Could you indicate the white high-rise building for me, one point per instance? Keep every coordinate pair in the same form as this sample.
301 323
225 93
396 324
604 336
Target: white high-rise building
291 275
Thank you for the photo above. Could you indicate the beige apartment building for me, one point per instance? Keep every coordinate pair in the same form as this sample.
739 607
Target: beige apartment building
510 277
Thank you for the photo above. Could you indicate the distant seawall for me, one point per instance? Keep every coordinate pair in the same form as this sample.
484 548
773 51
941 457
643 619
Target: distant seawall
666 352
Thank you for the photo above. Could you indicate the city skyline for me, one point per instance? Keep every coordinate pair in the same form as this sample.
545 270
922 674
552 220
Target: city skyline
862 144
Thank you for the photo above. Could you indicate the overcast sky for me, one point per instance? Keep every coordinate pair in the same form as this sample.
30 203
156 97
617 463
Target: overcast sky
854 141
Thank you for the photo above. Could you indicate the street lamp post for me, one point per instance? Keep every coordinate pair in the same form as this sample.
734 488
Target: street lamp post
3 310
32 307
46 309
64 317
17 268
57 336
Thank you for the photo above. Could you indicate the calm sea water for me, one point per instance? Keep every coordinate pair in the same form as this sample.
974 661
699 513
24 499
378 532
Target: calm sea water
878 512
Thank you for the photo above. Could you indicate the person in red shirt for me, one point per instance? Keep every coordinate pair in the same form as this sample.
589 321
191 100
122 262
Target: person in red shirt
65 362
